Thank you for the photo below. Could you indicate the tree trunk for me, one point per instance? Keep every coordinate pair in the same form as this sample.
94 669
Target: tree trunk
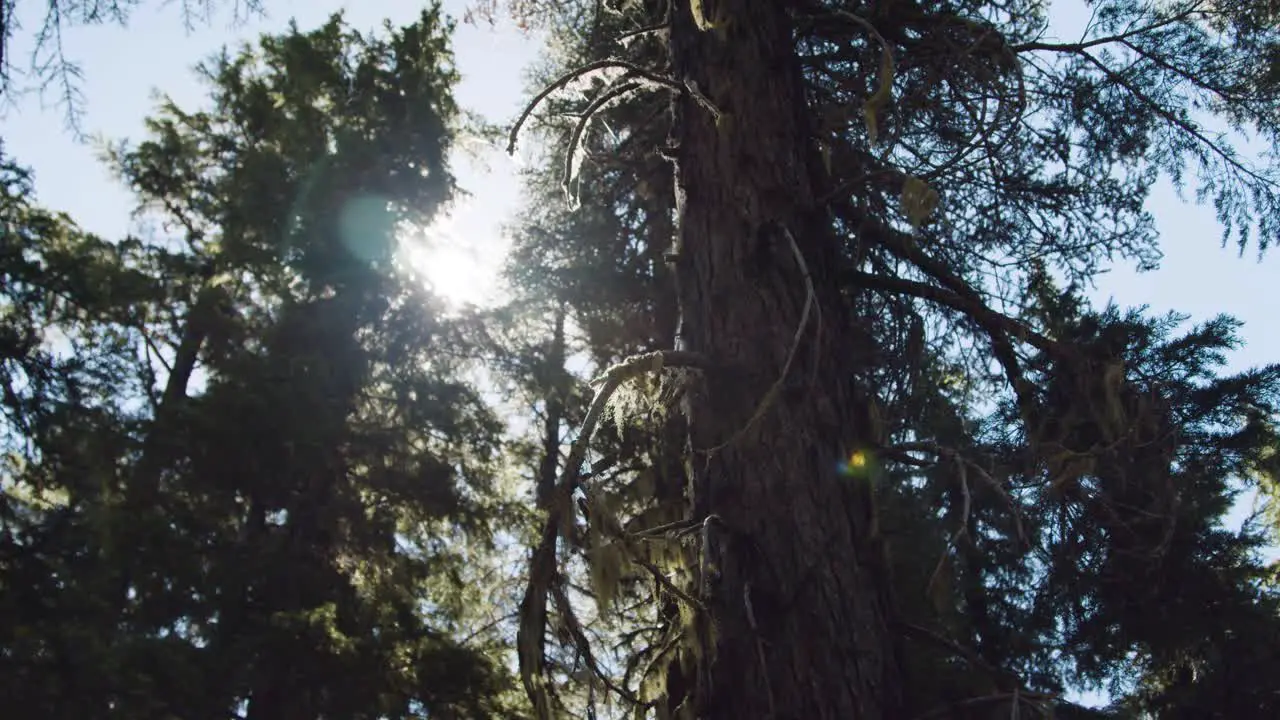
157 450
797 598
321 368
140 523
556 390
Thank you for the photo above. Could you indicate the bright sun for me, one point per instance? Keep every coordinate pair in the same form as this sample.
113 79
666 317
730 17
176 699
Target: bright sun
458 257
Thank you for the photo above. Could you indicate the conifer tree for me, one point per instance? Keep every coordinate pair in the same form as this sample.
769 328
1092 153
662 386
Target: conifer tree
246 473
918 475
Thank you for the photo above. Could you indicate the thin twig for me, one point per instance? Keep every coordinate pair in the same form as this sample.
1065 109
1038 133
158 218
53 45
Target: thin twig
866 25
488 626
658 27
1010 685
886 54
967 654
899 453
1119 37
755 630
964 521
999 328
1185 126
1013 508
584 645
949 709
151 347
676 529
665 581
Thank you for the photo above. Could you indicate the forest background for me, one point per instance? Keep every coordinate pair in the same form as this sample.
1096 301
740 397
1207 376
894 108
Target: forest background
464 247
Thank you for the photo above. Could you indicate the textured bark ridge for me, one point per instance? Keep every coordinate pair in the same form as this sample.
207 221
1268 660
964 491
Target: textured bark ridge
798 605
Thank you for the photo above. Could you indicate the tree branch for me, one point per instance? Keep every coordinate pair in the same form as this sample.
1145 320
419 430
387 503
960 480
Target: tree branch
530 638
647 75
1183 125
999 328
1118 37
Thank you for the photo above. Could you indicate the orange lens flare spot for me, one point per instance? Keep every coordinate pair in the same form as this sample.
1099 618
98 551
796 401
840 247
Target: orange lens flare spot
857 465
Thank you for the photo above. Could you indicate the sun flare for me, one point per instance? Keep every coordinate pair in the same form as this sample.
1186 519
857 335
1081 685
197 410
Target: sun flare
458 257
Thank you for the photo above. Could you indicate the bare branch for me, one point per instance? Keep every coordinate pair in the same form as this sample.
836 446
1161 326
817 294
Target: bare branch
646 75
576 137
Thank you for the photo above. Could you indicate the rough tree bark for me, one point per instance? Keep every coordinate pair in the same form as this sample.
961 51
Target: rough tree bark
798 602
